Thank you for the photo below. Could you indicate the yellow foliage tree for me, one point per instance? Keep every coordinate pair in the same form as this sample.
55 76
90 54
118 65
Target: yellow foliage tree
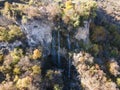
118 81
37 54
23 83
16 70
7 8
36 69
74 9
68 4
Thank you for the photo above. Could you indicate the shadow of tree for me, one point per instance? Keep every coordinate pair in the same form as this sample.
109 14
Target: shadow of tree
104 18
68 83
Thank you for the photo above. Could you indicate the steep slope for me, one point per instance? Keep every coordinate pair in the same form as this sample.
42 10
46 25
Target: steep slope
109 10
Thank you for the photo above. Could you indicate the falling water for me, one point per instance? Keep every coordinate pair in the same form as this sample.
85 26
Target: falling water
58 48
77 45
53 47
69 47
68 40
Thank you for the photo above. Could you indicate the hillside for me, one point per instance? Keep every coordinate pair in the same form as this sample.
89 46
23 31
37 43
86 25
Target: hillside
59 45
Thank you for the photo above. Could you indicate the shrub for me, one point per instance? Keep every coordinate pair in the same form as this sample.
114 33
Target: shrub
5 69
116 39
69 14
114 35
57 87
24 19
15 32
95 50
3 34
114 52
7 7
16 55
16 78
11 33
16 70
36 69
54 76
118 82
31 2
98 34
68 4
113 68
37 54
49 74
23 83
1 57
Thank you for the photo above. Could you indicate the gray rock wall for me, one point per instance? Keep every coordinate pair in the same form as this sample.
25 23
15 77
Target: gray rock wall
83 32
38 33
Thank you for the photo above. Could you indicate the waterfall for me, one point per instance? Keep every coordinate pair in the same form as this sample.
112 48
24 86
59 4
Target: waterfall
54 47
68 40
69 61
77 45
58 48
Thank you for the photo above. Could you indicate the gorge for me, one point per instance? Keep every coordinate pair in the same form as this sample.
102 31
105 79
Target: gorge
59 45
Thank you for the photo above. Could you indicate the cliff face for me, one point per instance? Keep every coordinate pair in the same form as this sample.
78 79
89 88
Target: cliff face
109 10
38 33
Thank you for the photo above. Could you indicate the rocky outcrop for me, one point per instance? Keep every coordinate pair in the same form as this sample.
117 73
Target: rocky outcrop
91 76
83 32
38 33
5 47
